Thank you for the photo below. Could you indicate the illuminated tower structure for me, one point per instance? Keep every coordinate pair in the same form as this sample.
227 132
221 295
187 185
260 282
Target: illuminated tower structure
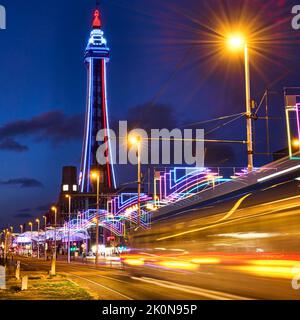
96 117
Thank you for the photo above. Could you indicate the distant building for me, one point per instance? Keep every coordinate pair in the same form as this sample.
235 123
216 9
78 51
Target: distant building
69 180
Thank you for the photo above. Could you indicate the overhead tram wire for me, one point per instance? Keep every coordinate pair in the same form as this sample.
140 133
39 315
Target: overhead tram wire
188 139
213 120
237 117
224 124
198 140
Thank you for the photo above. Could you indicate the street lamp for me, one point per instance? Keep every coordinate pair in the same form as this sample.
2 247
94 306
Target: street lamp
296 143
38 242
21 228
45 247
54 209
31 225
237 43
95 175
69 249
136 141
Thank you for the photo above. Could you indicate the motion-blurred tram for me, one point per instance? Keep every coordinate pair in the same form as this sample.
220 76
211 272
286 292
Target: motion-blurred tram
260 220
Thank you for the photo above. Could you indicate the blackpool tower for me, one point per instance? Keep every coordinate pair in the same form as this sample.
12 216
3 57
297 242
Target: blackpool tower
96 116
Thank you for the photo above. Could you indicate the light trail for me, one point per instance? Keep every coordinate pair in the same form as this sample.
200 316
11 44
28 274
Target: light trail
232 211
235 207
276 174
217 224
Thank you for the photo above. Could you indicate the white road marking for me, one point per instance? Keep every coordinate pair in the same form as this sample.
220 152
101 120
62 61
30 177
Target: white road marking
215 295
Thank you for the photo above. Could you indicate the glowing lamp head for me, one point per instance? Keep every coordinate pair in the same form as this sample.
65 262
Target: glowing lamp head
37 220
30 224
236 42
94 175
53 208
134 140
296 143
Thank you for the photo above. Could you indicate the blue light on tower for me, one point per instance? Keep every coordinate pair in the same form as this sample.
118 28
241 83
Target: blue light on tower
96 117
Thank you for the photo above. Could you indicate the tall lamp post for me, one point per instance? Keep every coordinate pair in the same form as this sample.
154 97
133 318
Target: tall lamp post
136 141
31 225
53 267
237 43
95 175
45 244
6 235
38 230
11 233
21 232
69 249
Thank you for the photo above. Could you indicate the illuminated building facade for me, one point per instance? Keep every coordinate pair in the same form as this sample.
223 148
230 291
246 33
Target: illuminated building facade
96 117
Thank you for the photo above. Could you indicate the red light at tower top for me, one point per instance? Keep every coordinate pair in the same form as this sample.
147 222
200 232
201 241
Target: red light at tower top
97 20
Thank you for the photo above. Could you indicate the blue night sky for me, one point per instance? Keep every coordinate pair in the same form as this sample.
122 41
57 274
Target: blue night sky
162 63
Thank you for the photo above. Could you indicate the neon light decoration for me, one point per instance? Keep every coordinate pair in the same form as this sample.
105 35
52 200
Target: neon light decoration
96 117
242 173
176 184
125 206
122 202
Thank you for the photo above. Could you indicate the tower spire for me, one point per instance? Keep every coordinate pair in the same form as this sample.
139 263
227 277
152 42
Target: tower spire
97 19
97 23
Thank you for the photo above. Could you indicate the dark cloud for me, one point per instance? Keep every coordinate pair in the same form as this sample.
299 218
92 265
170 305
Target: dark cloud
219 155
12 145
151 116
52 126
27 213
24 210
23 215
23 183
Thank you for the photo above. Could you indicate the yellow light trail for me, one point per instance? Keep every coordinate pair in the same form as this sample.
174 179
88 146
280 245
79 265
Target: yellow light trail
216 224
283 272
234 208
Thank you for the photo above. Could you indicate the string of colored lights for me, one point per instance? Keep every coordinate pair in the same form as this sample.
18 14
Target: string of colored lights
170 185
